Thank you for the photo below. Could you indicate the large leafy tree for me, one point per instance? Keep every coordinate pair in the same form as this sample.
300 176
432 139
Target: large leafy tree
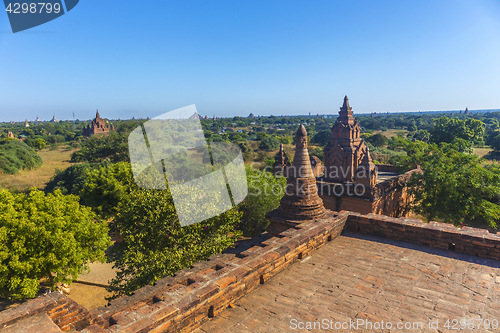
495 140
269 143
453 186
264 194
377 140
106 186
48 237
447 129
112 147
154 243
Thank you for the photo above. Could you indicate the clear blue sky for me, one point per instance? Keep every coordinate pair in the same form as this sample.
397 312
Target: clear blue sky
144 58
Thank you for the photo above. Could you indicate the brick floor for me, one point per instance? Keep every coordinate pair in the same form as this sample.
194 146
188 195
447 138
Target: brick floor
360 279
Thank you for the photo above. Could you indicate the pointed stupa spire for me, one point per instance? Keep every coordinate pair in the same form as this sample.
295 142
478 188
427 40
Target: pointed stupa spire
97 116
346 103
345 114
301 200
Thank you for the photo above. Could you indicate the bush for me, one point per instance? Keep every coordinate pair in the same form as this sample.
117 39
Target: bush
50 237
15 155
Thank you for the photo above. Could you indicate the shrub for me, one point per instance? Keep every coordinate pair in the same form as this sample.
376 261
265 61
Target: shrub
15 155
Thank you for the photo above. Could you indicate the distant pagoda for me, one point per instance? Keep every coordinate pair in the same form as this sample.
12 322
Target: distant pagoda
98 126
281 162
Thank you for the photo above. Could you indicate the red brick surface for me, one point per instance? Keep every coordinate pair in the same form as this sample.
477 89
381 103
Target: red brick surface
371 278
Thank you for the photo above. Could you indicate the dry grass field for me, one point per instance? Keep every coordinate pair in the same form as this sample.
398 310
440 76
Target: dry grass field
391 133
25 179
481 152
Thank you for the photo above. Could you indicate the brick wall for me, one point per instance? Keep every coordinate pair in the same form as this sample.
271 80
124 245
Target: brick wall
477 242
188 299
63 311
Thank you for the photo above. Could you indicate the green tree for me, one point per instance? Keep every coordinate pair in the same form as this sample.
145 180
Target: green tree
106 187
321 138
447 129
495 141
155 245
15 155
48 237
71 180
269 143
421 135
377 140
453 186
112 147
264 194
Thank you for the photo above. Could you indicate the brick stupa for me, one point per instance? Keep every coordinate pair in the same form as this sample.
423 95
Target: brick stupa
301 201
281 163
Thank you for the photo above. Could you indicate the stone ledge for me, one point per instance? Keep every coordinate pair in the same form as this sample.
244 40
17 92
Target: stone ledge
472 241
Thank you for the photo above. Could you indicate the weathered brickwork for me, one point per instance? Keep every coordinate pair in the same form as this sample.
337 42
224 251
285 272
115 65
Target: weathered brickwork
472 241
183 302
192 296
63 312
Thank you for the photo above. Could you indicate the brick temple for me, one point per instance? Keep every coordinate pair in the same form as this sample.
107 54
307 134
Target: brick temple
351 181
98 126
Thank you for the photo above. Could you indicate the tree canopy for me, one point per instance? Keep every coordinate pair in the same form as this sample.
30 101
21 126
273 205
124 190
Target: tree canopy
264 194
15 155
446 129
453 186
269 143
48 237
154 243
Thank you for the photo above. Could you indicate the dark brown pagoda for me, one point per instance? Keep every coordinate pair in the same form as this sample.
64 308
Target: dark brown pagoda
98 126
301 201
281 163
345 150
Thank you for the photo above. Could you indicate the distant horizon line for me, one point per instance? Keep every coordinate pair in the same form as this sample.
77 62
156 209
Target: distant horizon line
378 113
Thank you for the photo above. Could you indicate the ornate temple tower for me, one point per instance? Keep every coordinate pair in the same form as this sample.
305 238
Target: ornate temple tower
301 200
346 150
98 126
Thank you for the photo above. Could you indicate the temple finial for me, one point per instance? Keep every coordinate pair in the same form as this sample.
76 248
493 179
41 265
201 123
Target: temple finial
346 103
